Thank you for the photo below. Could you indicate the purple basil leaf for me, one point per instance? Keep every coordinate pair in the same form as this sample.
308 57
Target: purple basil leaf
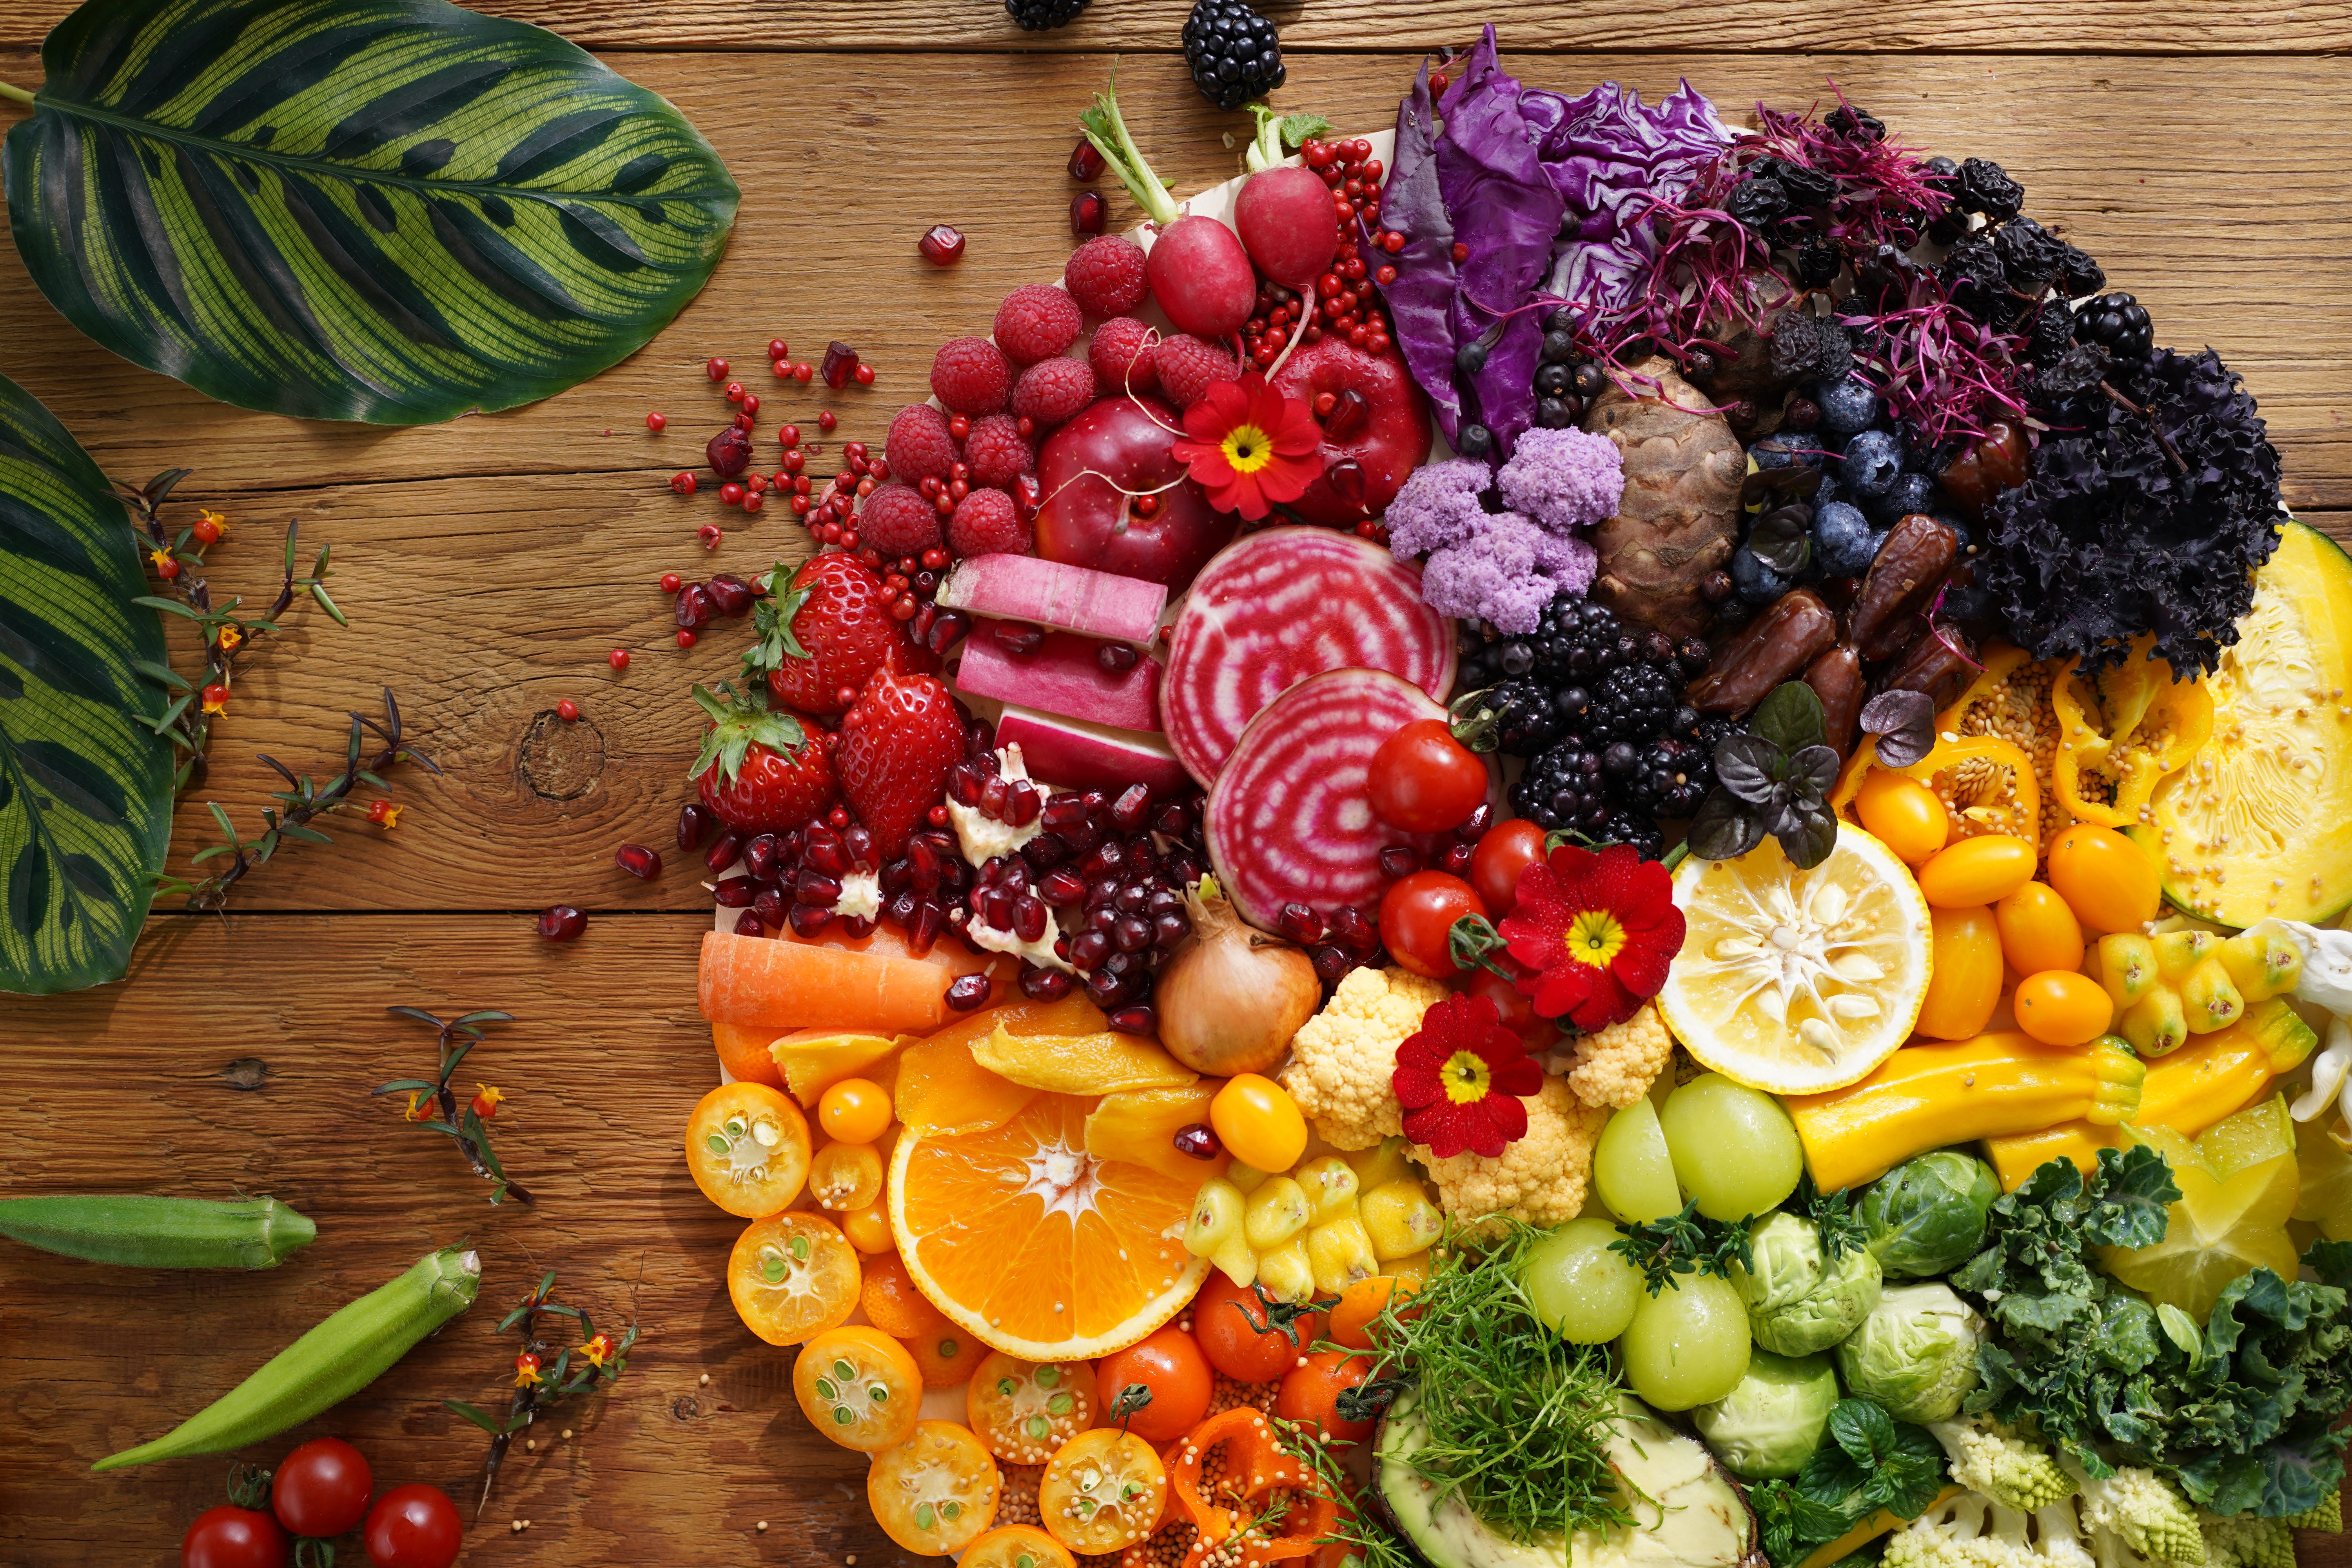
1724 829
1790 717
1905 723
1814 836
1815 767
1748 767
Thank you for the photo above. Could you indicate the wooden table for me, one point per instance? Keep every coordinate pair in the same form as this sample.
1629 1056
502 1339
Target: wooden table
488 564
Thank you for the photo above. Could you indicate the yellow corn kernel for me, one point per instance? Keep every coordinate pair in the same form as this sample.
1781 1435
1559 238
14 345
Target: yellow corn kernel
2127 968
1399 1218
2209 1000
2155 1024
2262 967
1384 1161
1331 1188
1340 1253
2179 952
1285 1273
1214 1231
1277 1212
1246 1179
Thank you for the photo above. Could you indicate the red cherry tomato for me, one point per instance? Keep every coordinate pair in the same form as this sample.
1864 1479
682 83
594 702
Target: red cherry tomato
322 1489
1423 780
1504 851
228 1537
1234 1333
1309 1394
1171 1364
1417 916
1516 1008
415 1526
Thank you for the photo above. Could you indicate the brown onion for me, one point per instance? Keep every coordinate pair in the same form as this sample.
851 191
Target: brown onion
1232 997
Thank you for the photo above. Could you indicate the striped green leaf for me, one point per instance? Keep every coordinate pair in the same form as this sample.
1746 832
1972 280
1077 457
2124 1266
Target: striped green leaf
397 211
85 780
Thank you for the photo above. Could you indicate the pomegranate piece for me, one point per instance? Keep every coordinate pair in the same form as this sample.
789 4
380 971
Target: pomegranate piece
840 362
942 245
562 922
1089 212
638 861
729 594
730 452
1086 161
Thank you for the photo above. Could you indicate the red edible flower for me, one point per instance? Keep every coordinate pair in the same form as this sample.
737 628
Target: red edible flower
1597 929
1248 445
1459 1078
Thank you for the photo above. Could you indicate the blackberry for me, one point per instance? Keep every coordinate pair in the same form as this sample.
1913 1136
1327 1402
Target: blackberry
1575 640
1818 261
2117 323
1037 15
1983 186
1631 703
1562 788
1625 827
1234 53
1669 777
1524 716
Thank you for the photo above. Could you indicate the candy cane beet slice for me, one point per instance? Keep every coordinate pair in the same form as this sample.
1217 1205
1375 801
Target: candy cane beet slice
1278 606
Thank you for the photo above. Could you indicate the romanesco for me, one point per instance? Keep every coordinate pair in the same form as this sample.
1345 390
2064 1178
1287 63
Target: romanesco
1540 1178
2328 1516
1615 1067
1341 1061
2136 1506
1971 1531
1994 1461
2246 1541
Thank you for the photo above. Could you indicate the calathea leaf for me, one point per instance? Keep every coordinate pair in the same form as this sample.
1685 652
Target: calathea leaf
395 211
85 773
1790 717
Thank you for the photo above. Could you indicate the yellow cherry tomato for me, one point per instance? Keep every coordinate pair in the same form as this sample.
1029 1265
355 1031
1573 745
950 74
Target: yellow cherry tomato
868 1228
854 1111
1258 1122
2108 881
1980 870
936 1492
2038 931
845 1175
2060 1008
1963 973
1903 814
858 1387
1102 1491
1018 1546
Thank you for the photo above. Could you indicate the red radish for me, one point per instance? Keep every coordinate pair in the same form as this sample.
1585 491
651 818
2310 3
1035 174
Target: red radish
1084 756
1288 225
1063 676
1290 821
1282 604
1201 276
1386 440
1116 498
1052 594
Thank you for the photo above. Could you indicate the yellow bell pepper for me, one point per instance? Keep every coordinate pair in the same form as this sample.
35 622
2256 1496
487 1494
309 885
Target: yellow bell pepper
2186 1091
2153 726
1925 1097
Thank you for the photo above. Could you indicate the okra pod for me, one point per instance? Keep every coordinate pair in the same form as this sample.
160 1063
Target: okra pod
328 1364
138 1231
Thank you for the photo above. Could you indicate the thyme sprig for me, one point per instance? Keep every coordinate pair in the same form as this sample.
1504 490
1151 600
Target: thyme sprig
1840 1229
593 1364
469 1128
1684 1242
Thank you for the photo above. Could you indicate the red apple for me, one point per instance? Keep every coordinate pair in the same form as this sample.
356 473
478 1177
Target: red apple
1386 438
1096 471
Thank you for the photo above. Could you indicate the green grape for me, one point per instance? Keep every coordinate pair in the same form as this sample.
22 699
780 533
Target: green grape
1582 1291
1632 1169
1734 1148
1688 1344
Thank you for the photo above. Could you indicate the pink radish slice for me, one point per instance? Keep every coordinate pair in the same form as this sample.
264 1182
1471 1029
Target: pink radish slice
1282 604
1290 820
1065 677
1081 756
1075 598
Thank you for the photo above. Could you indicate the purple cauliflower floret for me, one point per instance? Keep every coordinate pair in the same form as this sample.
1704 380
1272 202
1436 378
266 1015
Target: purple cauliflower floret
1564 479
1437 507
1506 573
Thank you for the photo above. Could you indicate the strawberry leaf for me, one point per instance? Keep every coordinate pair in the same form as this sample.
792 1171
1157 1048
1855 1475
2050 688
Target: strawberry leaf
771 624
739 723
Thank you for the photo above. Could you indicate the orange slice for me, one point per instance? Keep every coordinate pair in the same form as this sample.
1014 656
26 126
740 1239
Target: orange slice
1036 1247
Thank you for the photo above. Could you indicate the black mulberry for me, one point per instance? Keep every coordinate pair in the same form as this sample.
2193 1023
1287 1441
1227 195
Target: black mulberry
1037 15
1983 186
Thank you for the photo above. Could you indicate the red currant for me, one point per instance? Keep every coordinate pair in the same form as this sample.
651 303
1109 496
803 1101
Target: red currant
618 659
800 372
568 710
682 483
824 419
784 369
730 494
685 639
734 392
655 422
864 374
754 501
716 370
779 349
790 436
711 533
671 582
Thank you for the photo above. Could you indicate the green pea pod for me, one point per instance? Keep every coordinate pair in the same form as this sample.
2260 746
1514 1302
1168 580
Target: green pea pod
325 1366
143 1232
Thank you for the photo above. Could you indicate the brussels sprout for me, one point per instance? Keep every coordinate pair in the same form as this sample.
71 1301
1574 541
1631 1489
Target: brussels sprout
1772 1421
1916 1354
1798 1300
1926 1216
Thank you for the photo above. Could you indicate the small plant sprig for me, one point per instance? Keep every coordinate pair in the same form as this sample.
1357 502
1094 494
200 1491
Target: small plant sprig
1684 1242
298 804
540 1384
1837 1226
433 1103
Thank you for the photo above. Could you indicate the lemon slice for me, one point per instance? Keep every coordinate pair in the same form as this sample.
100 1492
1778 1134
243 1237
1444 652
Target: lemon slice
1798 982
2238 1188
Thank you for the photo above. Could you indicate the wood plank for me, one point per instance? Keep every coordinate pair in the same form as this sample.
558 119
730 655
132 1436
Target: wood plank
2129 26
2231 239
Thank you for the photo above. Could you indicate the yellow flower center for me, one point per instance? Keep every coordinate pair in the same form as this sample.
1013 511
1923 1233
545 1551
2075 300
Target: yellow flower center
1466 1077
1594 938
1248 449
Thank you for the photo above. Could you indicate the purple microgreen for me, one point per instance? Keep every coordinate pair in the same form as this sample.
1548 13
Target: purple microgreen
1905 725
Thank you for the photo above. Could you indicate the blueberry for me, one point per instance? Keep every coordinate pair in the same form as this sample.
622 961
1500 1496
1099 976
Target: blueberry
1960 530
1869 464
1908 494
1843 540
1755 582
1779 451
1847 406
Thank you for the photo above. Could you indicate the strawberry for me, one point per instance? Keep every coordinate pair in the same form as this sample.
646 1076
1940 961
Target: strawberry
760 771
896 746
825 635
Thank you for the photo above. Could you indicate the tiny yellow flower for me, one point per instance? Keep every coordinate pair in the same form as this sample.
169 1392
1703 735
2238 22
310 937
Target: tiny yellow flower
419 1106
598 1350
219 522
228 637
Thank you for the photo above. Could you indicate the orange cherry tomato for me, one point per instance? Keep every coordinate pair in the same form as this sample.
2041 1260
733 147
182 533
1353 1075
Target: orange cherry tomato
1903 814
2108 881
936 1492
747 1147
1504 851
845 1175
2061 1007
1238 1334
1417 916
1169 1363
854 1111
792 1276
1310 1391
868 1228
858 1387
890 1300
1964 973
1258 1122
945 1356
1976 871
1423 780
2038 931
1103 1491
1359 1308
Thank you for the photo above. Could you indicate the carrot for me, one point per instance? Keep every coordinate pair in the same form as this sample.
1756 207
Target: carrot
765 982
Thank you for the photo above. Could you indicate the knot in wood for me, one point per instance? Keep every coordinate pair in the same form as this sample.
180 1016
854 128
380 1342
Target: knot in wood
559 761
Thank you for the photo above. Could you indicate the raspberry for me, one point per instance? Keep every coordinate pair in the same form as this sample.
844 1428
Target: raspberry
898 522
1106 276
1052 391
1186 365
1036 321
918 445
1121 356
997 451
971 377
986 524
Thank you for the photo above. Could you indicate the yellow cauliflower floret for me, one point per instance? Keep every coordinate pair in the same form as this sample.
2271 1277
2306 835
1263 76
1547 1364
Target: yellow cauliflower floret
1341 1063
1540 1178
1616 1067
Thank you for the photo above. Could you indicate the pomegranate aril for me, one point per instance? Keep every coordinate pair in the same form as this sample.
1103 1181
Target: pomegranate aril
859 843
991 798
942 245
1088 213
967 992
1030 918
1012 874
693 608
1106 857
1352 931
1060 887
760 857
964 783
1133 802
1065 810
1086 161
1131 933
1137 1020
1197 1143
695 821
1171 822
1300 923
561 922
723 851
1398 860
813 887
638 861
1090 948
730 452
1476 823
749 923
1169 930
1044 984
808 919
930 918
1017 638
894 878
1456 860
826 857
730 594
769 904
1331 964
923 865
735 893
839 364
1021 803
1347 480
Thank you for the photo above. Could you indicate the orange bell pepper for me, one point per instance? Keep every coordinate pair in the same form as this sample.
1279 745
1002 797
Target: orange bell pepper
1227 1514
